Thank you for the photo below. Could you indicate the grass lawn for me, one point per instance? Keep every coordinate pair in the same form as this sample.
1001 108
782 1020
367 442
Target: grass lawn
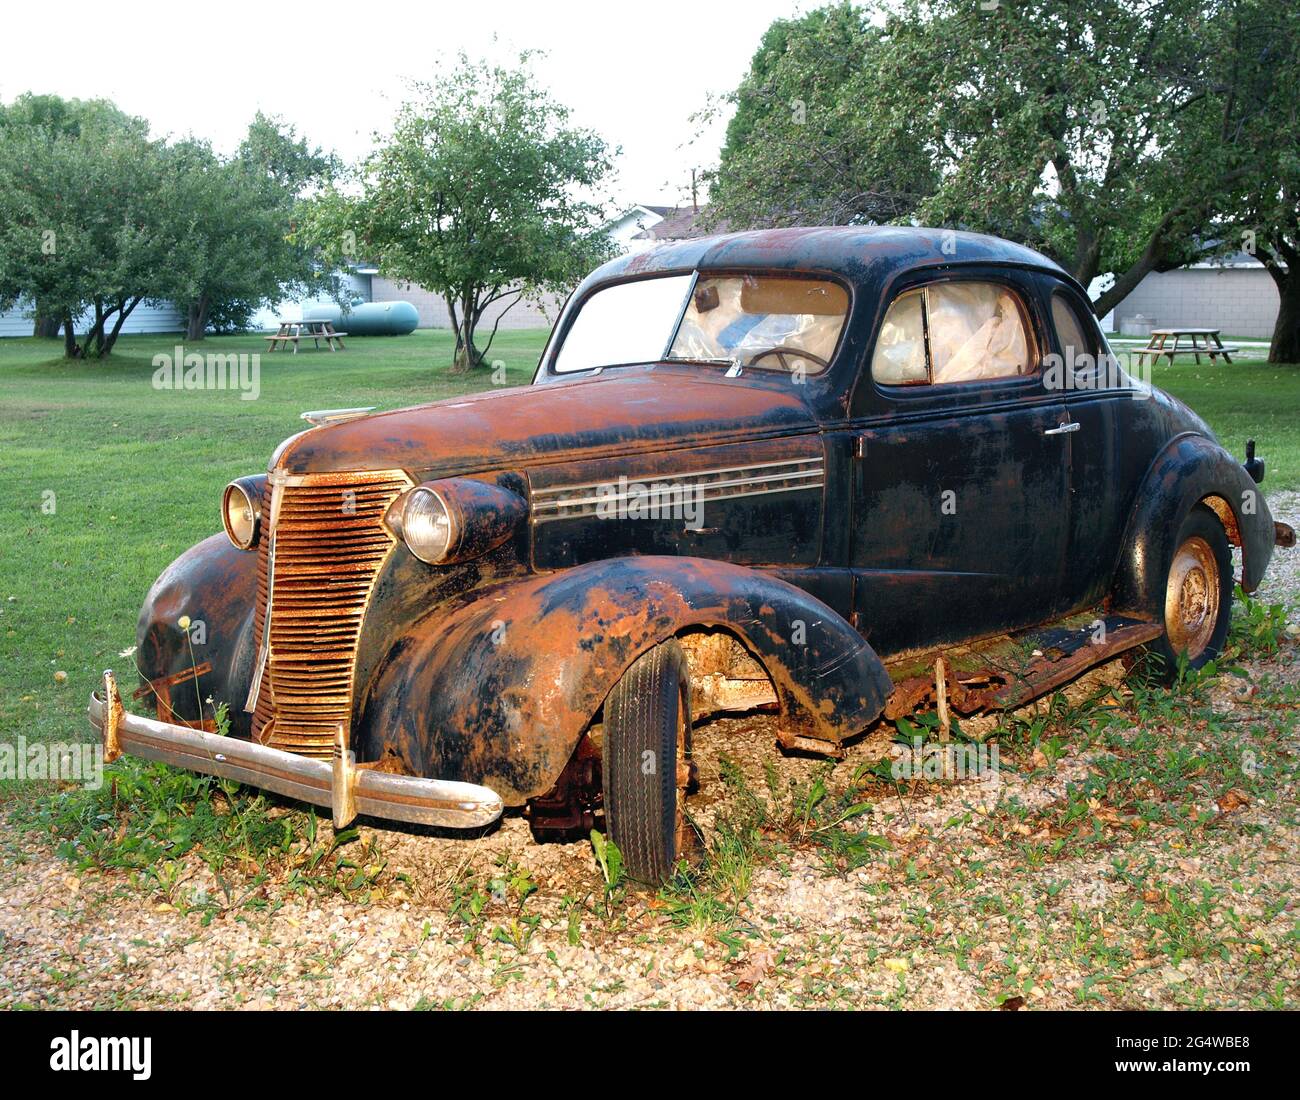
136 475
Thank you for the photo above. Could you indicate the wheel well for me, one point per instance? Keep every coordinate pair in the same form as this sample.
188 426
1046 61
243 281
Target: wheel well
1221 508
724 674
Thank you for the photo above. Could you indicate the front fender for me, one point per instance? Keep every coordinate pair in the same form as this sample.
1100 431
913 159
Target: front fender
503 687
1190 469
215 586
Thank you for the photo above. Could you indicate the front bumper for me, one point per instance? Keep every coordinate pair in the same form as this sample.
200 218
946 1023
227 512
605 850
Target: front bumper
340 785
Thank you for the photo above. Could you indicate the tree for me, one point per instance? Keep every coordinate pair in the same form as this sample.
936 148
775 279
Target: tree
80 217
52 117
482 194
1089 131
1102 134
96 218
1262 44
801 149
234 220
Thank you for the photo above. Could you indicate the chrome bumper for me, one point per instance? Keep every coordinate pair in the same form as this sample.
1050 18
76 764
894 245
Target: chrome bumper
339 785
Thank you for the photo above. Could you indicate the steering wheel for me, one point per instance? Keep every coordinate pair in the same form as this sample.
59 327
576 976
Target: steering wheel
782 350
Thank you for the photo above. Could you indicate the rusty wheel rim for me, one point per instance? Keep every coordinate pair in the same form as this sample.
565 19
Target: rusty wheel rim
1192 598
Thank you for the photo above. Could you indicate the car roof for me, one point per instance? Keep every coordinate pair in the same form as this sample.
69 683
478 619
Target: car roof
858 253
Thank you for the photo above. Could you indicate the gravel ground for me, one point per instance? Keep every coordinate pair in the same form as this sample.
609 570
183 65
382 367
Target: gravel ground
958 912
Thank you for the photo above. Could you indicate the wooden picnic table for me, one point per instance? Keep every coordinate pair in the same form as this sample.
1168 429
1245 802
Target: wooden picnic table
1204 341
293 332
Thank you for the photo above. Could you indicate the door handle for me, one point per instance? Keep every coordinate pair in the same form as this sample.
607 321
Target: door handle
1064 429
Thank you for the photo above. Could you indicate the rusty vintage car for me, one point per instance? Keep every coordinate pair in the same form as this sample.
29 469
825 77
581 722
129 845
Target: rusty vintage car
834 473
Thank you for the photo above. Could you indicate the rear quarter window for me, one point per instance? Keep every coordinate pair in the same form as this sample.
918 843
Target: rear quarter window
1073 335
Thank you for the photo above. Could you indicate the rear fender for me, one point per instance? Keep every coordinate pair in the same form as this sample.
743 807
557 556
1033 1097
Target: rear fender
1190 470
503 687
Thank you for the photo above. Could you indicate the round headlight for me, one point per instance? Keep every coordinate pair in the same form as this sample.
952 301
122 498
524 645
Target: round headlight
241 508
426 525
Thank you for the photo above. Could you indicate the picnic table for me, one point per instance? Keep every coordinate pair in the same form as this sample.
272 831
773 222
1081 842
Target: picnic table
1203 341
293 332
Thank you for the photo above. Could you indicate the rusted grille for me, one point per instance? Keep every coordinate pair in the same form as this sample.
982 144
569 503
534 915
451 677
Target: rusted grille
329 544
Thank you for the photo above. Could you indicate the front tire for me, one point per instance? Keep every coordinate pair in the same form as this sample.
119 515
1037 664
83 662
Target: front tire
1198 595
647 745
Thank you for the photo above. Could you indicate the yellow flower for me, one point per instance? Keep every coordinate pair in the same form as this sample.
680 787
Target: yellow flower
183 622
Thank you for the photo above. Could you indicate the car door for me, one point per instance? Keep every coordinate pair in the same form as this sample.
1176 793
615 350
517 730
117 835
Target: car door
1101 487
961 476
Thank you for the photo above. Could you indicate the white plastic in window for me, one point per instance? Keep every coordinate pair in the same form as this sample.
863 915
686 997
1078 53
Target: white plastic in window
763 321
976 332
899 357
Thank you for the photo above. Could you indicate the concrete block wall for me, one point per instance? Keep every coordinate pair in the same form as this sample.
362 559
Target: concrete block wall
1240 301
434 313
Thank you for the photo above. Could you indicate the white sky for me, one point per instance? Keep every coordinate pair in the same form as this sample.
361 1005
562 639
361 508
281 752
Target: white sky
337 71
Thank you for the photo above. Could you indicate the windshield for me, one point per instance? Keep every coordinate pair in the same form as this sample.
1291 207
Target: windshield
767 321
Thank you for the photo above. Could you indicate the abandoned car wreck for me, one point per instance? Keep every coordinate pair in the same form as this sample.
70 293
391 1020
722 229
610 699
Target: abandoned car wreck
793 469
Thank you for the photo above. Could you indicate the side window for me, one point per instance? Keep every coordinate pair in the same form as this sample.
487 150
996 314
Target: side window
954 331
900 356
1071 334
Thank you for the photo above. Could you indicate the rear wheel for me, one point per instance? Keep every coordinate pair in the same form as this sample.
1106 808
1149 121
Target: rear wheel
646 767
1198 594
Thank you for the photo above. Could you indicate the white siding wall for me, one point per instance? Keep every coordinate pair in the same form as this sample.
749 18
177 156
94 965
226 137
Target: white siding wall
146 317
626 229
17 322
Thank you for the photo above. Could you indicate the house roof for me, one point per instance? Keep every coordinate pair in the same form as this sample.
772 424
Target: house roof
1230 259
679 224
640 208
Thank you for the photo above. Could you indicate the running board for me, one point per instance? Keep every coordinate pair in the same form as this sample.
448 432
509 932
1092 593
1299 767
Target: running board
1011 669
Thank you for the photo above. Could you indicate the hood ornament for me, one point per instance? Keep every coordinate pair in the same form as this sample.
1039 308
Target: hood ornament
320 417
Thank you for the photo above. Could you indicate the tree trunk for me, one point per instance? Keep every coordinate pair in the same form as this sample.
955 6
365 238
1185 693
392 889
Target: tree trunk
196 323
1285 345
124 308
71 350
95 337
46 325
1127 281
467 355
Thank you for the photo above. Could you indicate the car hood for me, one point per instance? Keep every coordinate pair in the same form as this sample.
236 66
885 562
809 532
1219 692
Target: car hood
633 410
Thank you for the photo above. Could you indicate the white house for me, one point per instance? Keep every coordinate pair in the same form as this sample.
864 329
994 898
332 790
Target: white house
146 317
628 228
365 283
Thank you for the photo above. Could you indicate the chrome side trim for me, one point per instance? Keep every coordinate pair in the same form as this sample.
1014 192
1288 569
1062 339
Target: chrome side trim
652 490
811 462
